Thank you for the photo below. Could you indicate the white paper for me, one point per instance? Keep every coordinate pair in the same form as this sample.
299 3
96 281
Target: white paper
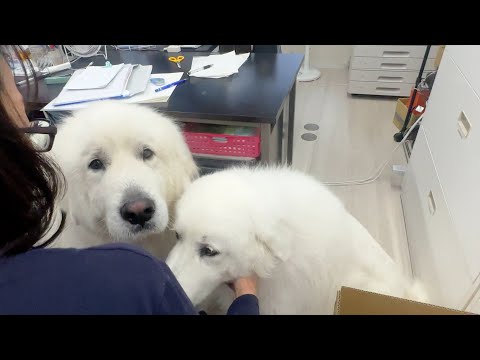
94 77
148 96
224 65
139 79
115 88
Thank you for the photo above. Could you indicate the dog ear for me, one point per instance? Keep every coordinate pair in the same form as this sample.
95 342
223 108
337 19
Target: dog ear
275 240
183 171
186 172
191 169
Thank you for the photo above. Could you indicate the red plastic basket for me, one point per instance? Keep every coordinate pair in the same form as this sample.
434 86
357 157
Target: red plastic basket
222 144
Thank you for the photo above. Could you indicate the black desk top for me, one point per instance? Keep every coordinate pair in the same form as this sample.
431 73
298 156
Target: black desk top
255 94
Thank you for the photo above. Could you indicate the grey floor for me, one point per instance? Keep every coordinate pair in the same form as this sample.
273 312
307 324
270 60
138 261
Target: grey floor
354 136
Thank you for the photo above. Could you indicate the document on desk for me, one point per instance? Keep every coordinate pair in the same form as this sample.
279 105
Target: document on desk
150 96
129 81
116 88
93 77
224 65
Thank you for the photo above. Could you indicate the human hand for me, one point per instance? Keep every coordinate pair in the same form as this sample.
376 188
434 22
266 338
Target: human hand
244 285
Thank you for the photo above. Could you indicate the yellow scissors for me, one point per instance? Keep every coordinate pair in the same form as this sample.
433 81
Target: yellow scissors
177 59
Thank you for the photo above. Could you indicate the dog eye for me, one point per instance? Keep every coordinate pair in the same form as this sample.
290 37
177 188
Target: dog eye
208 251
147 154
96 165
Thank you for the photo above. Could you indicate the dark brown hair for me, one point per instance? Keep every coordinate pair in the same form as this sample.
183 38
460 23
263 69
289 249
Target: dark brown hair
29 184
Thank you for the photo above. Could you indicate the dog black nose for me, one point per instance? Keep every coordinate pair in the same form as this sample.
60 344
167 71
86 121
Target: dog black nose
138 212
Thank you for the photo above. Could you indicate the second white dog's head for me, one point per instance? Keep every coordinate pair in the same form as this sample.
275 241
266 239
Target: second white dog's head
125 166
223 234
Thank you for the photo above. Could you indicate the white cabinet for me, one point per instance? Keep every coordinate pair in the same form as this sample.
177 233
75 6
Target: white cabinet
390 64
387 69
394 51
452 127
441 192
434 250
468 59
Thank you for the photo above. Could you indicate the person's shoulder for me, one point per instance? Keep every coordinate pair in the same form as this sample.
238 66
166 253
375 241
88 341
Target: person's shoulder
108 279
136 269
115 260
114 252
121 254
120 248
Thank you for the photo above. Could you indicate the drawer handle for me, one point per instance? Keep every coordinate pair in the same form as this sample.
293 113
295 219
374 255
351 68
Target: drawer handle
396 53
432 207
386 89
390 78
219 139
393 66
463 125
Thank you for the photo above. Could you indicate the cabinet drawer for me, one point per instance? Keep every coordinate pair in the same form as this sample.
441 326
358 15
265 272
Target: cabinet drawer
379 88
414 51
452 122
392 64
435 252
467 58
408 77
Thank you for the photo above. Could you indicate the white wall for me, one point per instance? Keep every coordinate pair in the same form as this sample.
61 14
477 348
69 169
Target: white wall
324 56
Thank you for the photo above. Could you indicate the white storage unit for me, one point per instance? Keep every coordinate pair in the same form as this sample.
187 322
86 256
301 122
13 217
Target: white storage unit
389 70
441 192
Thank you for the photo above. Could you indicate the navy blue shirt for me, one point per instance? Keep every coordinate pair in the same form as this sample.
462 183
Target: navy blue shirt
111 279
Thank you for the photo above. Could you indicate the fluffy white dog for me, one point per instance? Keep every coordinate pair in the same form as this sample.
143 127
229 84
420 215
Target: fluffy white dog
288 229
125 166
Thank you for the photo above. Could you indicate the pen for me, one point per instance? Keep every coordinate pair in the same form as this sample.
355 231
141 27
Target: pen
170 85
200 69
90 100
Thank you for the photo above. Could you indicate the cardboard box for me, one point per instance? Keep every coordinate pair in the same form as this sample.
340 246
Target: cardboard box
352 301
438 58
401 113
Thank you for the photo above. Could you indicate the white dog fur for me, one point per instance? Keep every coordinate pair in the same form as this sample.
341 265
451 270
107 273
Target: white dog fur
117 134
288 229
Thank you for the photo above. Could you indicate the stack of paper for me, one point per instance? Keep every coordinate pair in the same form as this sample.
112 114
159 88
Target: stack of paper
140 87
150 96
139 79
224 65
97 83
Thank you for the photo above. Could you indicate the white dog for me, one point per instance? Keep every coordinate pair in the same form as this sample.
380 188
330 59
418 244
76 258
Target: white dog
125 166
288 229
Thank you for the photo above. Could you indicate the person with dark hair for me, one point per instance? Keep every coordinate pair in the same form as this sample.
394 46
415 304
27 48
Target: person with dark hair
35 279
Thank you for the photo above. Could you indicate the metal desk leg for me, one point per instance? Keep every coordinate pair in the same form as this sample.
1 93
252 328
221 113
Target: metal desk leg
271 143
285 132
291 123
265 143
